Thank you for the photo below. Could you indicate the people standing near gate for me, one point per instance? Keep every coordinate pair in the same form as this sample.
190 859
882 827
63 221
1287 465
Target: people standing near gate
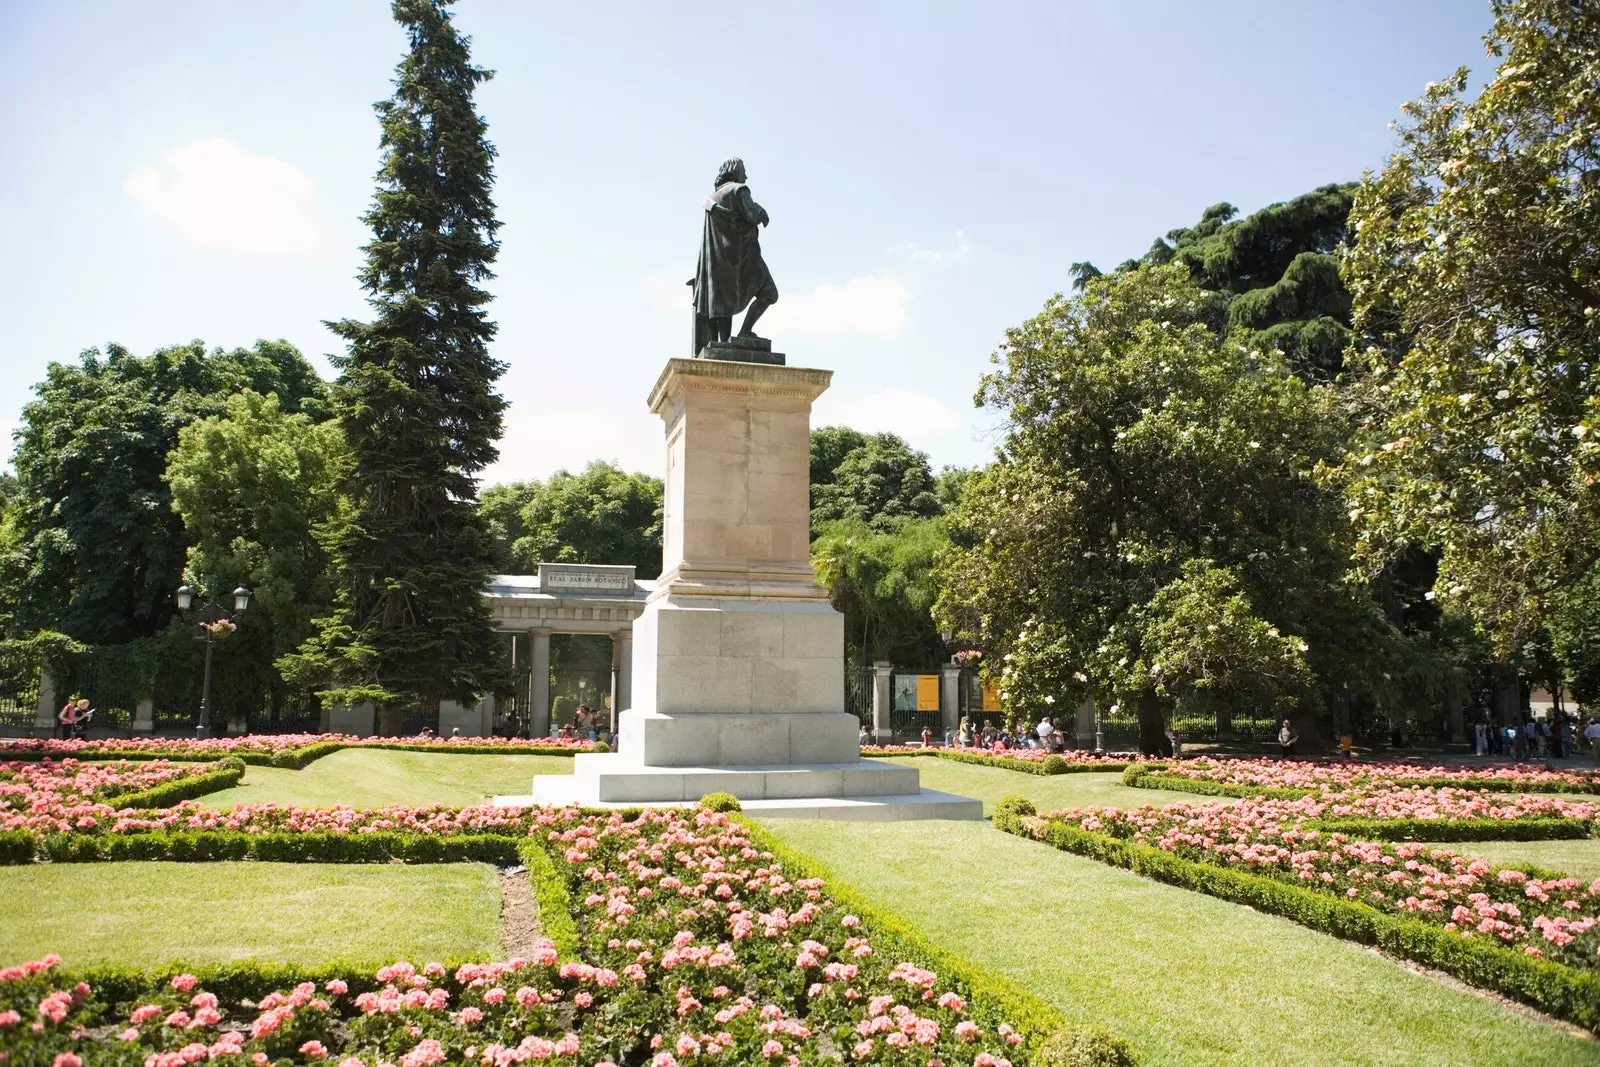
1286 740
1592 733
1043 730
964 732
927 737
67 718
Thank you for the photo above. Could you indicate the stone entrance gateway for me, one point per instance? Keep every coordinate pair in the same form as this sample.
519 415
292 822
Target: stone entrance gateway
569 598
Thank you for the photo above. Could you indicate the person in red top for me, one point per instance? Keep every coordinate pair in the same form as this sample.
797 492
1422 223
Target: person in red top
927 737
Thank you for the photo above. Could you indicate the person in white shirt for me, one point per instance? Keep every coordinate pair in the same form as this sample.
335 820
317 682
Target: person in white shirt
1044 730
1592 732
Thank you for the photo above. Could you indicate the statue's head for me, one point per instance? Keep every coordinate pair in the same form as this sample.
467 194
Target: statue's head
732 170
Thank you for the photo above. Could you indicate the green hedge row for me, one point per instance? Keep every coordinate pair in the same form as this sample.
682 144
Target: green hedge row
1495 785
1052 1040
206 846
550 890
165 795
1150 776
1561 991
1554 829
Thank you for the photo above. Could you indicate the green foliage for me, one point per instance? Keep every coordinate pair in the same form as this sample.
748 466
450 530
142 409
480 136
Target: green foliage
882 577
416 401
1054 765
1555 829
601 515
1574 633
207 846
91 545
599 746
1562 991
165 795
829 446
1085 1048
1476 259
1149 462
879 482
1013 805
721 802
1273 275
555 903
255 485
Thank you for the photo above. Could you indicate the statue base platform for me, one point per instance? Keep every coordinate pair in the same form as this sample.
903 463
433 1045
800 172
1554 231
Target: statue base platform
867 789
743 350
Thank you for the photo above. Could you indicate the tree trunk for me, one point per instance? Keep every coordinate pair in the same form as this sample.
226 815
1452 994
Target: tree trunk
390 718
1152 728
1507 694
1303 722
1224 720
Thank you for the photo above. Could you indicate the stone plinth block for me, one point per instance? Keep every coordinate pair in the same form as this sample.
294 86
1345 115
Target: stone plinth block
739 656
720 738
736 512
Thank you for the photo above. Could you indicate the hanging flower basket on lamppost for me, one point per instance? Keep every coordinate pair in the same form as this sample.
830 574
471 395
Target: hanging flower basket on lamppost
211 623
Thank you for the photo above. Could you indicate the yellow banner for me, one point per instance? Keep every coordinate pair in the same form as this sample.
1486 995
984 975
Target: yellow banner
991 697
927 692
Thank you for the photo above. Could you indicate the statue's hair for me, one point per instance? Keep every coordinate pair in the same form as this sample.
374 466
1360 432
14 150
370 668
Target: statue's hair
732 170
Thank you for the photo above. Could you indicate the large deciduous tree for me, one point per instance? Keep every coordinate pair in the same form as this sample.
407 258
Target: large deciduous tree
94 549
1156 469
256 488
882 578
416 398
602 514
879 480
1477 258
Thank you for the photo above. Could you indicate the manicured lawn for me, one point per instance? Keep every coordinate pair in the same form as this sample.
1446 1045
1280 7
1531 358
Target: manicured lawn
1102 789
144 914
1581 859
1189 978
371 778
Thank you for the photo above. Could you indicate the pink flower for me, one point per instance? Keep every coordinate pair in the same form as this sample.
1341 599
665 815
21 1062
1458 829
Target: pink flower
427 1052
337 986
583 999
967 1030
772 1048
314 1050
67 1059
184 982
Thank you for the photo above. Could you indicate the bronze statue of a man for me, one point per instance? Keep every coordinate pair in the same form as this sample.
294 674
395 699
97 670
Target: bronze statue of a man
731 273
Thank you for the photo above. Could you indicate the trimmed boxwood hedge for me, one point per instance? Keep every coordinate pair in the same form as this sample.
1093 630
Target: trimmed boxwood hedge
1150 776
226 775
207 846
1554 829
292 758
1561 991
550 890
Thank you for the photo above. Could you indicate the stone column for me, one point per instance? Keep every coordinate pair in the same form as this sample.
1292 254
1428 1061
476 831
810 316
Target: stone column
622 672
1083 727
144 716
950 698
539 690
882 702
44 715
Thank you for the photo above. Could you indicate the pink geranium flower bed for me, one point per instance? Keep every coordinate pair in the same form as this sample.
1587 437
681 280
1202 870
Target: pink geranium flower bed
697 947
1554 917
1307 774
44 785
269 744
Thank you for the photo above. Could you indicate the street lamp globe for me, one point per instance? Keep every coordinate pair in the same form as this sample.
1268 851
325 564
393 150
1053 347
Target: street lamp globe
185 597
241 598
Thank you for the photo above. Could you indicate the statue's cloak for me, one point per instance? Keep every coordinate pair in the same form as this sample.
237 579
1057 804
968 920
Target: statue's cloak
731 272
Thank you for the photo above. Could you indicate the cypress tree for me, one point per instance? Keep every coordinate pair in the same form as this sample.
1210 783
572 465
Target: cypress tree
417 402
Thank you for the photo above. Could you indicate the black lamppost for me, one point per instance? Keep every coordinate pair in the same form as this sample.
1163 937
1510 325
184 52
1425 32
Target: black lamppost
211 622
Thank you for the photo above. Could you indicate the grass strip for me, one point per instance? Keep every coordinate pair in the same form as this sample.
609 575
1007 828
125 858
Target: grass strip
1553 988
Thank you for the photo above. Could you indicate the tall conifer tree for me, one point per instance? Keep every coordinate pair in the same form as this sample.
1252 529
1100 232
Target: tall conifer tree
416 399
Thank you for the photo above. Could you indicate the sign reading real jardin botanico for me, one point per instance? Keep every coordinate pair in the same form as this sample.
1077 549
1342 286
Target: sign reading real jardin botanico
585 578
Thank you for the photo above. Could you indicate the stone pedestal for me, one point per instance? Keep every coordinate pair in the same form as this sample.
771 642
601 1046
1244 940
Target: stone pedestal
738 658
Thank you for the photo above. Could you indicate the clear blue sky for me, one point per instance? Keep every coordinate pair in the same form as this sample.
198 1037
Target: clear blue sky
197 170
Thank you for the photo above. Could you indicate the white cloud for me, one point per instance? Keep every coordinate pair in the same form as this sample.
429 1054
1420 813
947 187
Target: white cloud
914 416
537 443
938 257
873 306
217 196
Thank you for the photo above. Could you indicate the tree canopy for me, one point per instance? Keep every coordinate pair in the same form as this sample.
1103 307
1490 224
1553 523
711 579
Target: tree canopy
876 479
1155 468
599 515
95 549
1477 260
